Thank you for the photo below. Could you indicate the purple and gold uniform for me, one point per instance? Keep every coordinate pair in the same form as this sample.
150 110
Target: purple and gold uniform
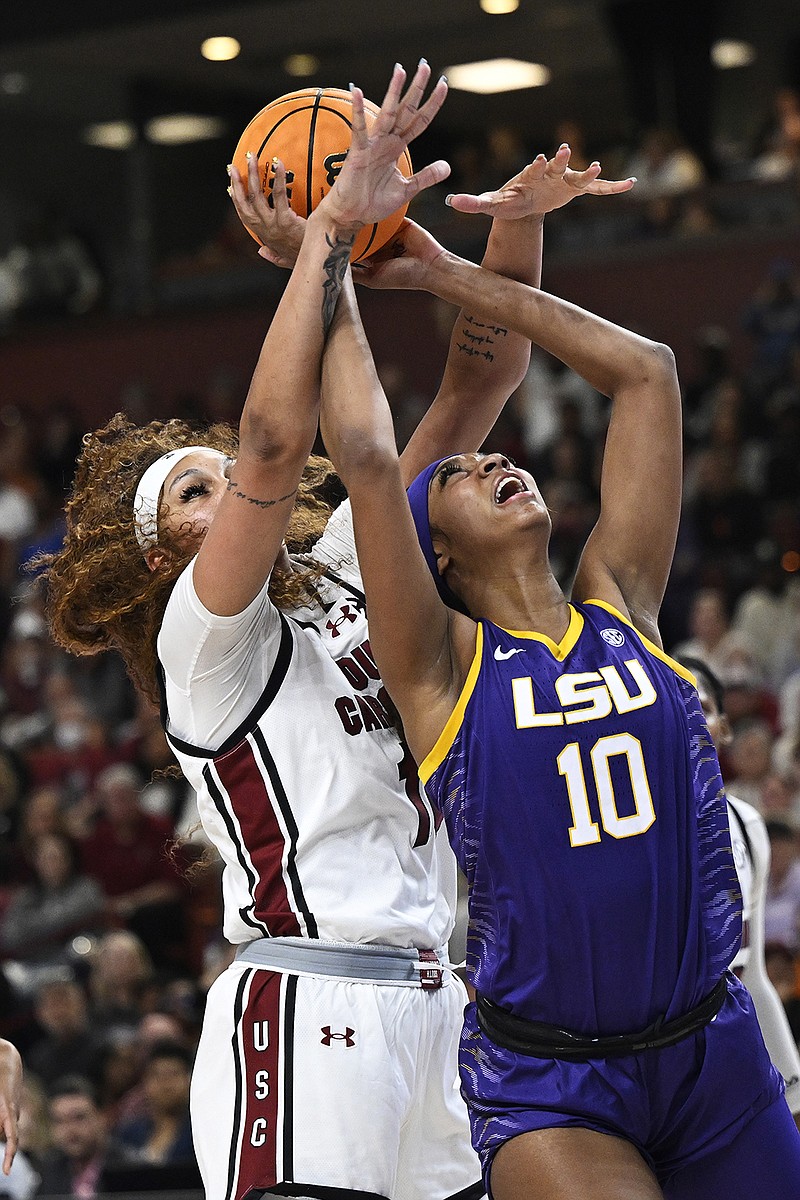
584 802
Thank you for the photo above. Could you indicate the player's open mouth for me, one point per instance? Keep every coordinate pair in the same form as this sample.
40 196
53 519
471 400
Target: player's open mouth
507 487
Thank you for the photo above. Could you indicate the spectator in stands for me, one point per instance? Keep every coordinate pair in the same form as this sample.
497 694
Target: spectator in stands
127 854
118 1075
750 760
12 783
163 1133
777 150
82 1148
70 1043
59 903
56 269
748 699
782 918
710 637
726 519
34 1120
121 970
772 318
782 970
664 165
712 366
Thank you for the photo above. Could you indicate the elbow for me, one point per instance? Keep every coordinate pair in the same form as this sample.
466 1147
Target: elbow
272 441
358 456
659 364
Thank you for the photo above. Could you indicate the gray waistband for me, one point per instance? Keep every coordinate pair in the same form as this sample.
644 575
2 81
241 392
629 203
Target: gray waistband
382 964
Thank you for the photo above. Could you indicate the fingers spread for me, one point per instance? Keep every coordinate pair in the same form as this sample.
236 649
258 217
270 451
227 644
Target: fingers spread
434 173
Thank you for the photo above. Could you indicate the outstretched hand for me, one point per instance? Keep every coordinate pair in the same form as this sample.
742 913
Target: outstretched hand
274 222
544 185
370 186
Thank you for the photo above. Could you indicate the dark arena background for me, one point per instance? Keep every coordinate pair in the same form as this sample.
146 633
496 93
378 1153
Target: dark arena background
127 283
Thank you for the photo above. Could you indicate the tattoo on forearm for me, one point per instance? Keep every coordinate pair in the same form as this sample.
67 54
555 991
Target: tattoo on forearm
334 267
476 335
235 490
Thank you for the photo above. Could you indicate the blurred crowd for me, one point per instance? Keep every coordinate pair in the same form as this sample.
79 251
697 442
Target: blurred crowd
109 907
55 268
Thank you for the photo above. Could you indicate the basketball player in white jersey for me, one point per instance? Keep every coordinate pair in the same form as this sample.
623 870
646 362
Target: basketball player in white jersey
327 1062
751 855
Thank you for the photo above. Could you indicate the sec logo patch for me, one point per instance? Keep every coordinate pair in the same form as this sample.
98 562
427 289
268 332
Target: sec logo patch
614 637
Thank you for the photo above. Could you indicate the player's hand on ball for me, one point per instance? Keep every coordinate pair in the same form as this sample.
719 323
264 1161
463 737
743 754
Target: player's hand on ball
279 229
370 187
403 262
545 184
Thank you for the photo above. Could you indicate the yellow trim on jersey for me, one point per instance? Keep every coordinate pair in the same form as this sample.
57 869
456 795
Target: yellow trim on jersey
437 755
648 645
559 650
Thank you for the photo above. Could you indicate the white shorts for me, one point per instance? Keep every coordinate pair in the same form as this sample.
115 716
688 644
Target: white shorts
306 1082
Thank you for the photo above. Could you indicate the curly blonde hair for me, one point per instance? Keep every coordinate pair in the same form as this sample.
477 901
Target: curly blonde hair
101 594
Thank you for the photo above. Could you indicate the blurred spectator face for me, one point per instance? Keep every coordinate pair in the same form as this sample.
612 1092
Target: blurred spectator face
78 1129
708 620
783 854
76 727
121 1068
118 792
751 752
158 1027
776 798
53 861
122 966
781 970
61 1008
166 1085
42 813
718 725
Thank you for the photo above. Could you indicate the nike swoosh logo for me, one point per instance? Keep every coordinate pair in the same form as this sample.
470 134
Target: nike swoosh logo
502 655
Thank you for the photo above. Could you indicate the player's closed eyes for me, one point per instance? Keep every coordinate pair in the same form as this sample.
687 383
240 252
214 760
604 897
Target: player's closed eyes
446 470
192 490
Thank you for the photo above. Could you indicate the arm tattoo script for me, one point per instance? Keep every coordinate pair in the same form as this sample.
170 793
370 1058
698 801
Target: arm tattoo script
478 337
235 490
334 267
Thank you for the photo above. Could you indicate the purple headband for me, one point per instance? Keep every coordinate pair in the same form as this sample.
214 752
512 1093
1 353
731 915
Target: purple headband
418 503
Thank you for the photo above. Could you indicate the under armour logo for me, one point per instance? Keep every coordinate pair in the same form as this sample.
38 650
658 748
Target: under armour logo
502 655
347 615
614 637
348 1037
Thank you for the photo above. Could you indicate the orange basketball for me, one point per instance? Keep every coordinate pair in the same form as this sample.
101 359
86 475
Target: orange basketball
309 131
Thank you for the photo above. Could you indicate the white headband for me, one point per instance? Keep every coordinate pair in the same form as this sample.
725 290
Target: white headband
148 495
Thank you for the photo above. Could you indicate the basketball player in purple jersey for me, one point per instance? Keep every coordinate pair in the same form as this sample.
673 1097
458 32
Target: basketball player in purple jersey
327 1062
610 1054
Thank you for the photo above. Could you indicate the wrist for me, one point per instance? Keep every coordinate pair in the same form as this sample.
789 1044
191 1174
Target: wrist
335 225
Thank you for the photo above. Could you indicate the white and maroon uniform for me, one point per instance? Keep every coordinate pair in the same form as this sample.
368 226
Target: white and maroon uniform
751 856
320 1050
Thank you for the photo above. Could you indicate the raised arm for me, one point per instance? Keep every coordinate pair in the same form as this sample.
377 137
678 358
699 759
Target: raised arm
486 361
424 649
628 555
279 420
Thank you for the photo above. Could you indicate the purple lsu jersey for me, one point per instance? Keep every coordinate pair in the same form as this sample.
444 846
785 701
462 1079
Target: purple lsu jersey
584 801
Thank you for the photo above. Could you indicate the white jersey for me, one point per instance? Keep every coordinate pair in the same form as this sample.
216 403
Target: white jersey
281 724
751 854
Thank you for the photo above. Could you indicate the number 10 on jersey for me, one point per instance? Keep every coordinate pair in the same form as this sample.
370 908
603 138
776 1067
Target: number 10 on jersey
584 830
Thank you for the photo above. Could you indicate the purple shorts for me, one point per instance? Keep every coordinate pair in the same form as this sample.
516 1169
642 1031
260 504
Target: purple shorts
676 1104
